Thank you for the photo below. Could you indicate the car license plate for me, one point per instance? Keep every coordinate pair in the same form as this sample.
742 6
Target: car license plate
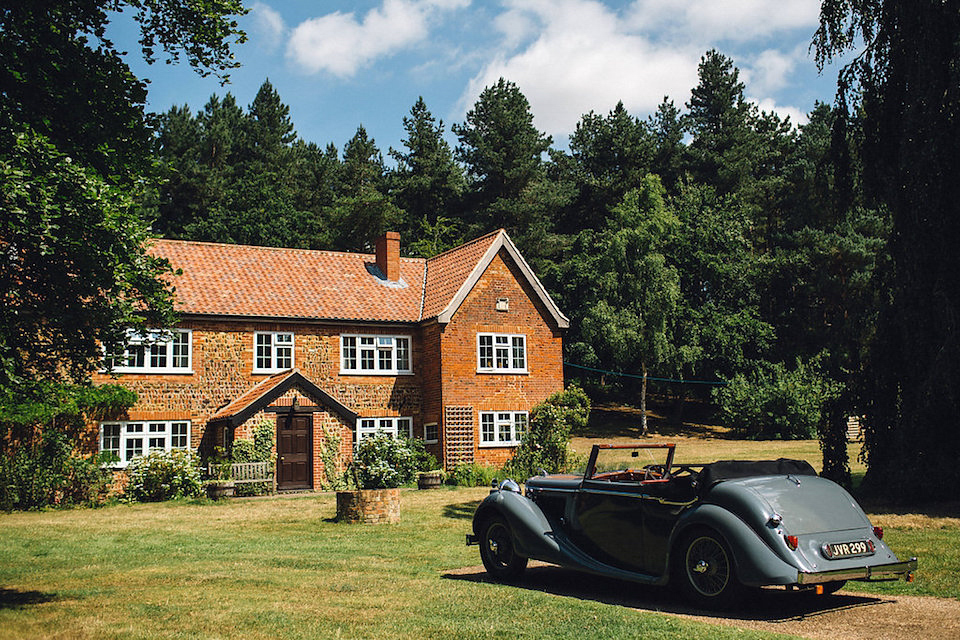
839 550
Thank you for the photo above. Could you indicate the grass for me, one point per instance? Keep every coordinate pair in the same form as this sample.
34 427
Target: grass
279 567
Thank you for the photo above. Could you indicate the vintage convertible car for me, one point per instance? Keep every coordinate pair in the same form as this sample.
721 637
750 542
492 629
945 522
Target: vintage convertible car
710 530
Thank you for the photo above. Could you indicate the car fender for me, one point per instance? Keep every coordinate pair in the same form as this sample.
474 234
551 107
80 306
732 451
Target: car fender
533 533
755 562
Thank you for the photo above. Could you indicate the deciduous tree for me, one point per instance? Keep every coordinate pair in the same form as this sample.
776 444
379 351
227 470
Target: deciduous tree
906 79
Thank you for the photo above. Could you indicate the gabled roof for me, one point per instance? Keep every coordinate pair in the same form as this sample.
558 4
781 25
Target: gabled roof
301 284
453 274
266 391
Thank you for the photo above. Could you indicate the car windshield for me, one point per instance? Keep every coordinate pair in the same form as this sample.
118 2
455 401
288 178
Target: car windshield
632 458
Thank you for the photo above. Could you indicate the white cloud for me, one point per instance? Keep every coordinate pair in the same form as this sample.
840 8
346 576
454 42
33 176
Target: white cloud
572 56
712 20
582 58
342 44
797 116
770 70
268 25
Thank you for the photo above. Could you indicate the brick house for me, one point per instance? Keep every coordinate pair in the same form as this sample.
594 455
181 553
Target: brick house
331 347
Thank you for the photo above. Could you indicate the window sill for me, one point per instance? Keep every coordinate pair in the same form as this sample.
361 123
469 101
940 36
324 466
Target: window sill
379 374
503 372
498 445
155 372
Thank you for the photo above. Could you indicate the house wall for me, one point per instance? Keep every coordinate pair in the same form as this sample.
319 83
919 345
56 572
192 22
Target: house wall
431 388
222 365
462 385
444 364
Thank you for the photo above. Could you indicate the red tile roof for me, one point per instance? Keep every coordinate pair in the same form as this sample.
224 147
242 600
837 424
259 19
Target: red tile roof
257 397
267 282
244 400
240 280
447 272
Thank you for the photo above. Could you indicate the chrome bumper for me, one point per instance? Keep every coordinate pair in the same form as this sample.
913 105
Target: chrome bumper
892 571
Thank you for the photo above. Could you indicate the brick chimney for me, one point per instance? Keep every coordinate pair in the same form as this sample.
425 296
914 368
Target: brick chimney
388 255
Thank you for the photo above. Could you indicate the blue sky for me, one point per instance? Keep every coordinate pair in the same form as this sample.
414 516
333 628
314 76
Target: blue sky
342 64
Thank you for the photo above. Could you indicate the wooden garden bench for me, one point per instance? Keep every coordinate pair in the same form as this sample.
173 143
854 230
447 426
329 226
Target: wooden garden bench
246 472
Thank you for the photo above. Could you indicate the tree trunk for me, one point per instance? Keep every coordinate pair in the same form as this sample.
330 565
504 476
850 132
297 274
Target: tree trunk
679 402
643 399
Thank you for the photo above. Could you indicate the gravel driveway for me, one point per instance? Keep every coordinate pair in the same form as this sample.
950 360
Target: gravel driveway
835 617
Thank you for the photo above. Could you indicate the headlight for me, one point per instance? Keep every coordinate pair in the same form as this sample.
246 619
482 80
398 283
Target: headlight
509 485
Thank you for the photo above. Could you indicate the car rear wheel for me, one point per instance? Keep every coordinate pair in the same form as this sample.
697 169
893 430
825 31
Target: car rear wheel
498 552
704 571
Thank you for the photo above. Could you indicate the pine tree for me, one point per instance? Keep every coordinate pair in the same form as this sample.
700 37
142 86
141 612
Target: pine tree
503 155
427 184
363 209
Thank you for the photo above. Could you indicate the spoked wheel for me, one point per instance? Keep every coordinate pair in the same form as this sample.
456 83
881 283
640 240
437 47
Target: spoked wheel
704 570
498 552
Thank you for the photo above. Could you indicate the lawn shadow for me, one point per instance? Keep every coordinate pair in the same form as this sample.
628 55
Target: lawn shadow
763 605
16 599
621 421
461 511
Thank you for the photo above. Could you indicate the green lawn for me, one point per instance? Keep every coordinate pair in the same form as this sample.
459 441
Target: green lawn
279 567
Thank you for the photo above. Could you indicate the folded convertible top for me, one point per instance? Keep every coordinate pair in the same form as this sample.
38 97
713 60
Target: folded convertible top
733 469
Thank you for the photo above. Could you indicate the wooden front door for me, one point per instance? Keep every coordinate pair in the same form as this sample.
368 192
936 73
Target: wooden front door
294 451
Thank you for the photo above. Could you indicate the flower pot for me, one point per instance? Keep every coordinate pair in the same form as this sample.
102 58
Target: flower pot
430 480
369 506
218 490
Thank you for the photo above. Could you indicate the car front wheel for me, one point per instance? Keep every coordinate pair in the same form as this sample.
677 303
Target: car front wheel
498 551
704 571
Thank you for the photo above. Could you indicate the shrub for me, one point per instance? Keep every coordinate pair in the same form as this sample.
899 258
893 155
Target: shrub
423 459
382 462
472 475
40 426
163 475
546 445
257 449
774 402
48 472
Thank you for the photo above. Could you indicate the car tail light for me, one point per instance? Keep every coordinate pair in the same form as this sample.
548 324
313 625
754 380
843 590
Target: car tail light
792 541
878 531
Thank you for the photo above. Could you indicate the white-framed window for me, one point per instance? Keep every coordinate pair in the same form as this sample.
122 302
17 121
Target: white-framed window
127 440
375 354
272 351
155 352
431 433
367 427
501 353
502 428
